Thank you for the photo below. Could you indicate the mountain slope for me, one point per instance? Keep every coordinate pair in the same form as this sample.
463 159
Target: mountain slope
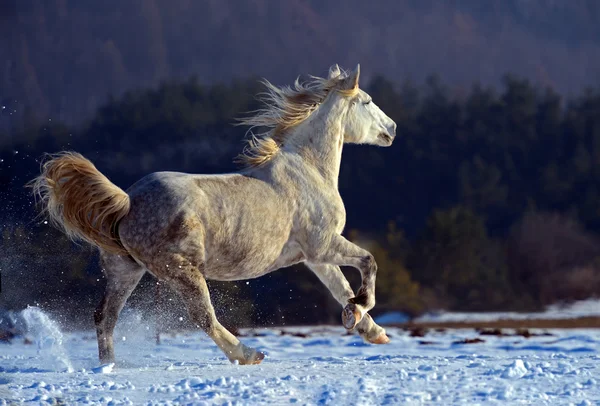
62 58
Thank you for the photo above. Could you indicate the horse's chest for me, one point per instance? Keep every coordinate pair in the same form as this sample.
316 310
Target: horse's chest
330 213
340 218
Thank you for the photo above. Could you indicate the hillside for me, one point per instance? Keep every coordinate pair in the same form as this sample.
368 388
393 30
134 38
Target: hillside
62 58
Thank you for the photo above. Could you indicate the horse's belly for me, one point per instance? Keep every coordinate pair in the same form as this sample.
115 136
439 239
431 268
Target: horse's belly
229 265
232 272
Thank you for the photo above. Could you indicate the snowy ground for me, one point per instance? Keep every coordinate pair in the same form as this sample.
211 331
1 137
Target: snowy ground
327 367
583 308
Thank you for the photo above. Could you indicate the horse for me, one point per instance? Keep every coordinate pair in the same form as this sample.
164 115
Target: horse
282 208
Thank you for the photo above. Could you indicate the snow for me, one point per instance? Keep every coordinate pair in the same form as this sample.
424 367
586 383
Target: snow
104 368
316 365
584 308
515 370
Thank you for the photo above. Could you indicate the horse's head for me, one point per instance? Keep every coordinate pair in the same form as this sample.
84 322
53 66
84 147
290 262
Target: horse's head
332 101
364 123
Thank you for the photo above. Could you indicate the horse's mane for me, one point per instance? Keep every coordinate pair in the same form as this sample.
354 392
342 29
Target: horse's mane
283 109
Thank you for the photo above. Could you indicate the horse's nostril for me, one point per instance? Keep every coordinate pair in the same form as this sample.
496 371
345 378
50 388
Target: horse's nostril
386 137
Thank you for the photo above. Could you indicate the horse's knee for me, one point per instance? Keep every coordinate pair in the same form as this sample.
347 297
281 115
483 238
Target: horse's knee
369 265
365 296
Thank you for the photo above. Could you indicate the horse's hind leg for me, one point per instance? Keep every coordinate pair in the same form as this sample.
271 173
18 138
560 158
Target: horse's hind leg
122 276
333 278
189 282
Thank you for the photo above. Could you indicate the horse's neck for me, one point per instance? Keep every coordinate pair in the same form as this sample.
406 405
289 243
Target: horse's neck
319 142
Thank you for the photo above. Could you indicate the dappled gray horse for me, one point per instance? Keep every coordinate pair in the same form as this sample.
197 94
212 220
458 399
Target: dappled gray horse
282 209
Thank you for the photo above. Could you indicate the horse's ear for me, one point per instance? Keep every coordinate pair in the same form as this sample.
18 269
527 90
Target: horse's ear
334 72
351 82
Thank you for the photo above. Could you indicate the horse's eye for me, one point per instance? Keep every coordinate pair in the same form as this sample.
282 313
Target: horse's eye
367 102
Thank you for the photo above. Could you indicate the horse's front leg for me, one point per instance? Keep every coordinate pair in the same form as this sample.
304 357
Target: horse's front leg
341 252
333 278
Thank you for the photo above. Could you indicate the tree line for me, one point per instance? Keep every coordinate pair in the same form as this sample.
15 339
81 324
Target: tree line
60 58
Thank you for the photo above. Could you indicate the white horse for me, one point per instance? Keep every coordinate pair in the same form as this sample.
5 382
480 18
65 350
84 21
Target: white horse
282 209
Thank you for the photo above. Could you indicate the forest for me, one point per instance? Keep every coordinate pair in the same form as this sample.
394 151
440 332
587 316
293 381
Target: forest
488 200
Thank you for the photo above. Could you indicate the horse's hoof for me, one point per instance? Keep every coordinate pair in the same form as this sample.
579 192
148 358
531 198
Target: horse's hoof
254 359
258 358
351 315
380 339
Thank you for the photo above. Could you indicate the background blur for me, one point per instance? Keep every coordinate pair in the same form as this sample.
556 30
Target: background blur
489 198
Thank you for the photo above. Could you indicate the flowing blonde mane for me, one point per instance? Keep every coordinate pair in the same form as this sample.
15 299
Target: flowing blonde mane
285 108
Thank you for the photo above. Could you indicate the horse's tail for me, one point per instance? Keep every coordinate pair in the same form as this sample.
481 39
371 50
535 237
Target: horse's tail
81 201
